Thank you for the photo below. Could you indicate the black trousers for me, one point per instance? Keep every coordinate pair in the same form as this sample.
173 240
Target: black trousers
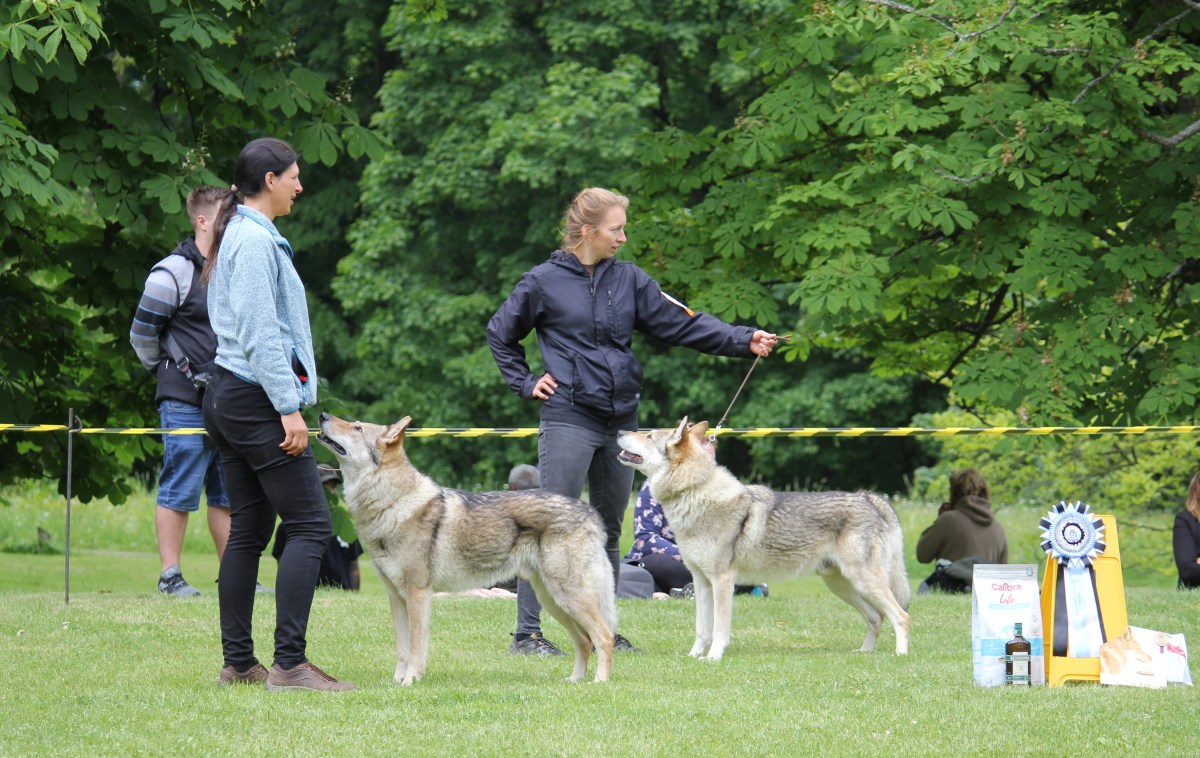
264 481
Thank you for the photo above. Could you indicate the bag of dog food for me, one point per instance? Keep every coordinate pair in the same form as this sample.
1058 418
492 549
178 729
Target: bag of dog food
1002 596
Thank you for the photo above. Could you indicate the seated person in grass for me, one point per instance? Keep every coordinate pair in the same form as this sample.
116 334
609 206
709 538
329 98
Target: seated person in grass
965 532
1186 538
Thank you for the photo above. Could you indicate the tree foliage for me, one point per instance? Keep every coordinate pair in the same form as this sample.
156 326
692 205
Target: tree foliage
999 195
109 114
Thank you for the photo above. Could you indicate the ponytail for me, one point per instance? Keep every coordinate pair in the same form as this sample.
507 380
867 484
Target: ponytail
225 211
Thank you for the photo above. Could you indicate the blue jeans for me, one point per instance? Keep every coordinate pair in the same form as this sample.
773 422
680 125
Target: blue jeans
569 455
190 461
264 481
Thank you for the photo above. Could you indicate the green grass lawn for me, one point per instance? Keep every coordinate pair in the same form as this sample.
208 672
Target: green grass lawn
123 670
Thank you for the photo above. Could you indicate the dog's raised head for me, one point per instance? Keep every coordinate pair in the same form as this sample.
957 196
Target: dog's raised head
662 449
360 446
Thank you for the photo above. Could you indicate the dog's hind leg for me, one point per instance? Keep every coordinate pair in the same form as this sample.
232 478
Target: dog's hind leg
722 614
875 588
420 605
842 587
400 620
579 638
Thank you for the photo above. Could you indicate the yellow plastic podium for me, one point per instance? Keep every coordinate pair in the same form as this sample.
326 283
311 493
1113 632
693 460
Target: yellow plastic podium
1110 590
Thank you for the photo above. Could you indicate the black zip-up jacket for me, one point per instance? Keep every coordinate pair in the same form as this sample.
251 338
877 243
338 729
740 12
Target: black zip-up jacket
585 324
1186 540
175 301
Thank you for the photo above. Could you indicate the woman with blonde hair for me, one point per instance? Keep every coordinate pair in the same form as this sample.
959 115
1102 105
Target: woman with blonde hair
585 305
1186 538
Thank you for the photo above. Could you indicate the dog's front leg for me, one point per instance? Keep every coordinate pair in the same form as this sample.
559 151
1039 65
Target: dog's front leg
722 602
420 602
400 620
703 592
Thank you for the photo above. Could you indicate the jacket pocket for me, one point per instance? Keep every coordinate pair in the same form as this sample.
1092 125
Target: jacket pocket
298 367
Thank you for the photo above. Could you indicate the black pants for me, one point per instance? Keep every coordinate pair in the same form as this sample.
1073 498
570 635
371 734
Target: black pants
668 573
264 481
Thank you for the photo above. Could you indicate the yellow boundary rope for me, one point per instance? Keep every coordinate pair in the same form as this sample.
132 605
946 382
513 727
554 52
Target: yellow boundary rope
766 431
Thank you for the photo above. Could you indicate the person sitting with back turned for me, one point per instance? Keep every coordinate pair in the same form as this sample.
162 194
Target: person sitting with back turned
1186 538
965 532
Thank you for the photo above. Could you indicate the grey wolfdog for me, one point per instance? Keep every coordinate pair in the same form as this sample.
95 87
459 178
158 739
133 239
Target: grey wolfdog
423 537
728 530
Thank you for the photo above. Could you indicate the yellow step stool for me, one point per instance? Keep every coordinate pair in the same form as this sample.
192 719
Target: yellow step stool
1110 589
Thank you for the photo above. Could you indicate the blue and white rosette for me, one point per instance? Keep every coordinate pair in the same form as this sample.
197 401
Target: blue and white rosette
1075 538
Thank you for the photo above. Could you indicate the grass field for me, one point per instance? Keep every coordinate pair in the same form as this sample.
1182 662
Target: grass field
123 670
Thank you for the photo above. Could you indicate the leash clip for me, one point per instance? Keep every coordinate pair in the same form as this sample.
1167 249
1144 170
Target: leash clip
711 439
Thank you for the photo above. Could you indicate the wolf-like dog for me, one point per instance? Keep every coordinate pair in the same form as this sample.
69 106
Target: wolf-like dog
728 530
423 538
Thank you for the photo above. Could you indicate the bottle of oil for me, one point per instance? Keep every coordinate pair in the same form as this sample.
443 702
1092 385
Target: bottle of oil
1017 659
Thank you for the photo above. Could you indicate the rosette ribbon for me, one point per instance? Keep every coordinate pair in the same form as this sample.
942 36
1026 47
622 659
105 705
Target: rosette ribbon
1074 538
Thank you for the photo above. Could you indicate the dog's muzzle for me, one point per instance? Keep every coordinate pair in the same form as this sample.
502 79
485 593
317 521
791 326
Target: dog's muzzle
632 459
330 443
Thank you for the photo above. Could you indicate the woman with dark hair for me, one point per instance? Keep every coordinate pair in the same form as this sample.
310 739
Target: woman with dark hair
964 533
1186 538
265 375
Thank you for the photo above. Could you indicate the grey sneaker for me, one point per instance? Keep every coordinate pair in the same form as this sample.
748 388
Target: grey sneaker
229 675
263 589
305 676
534 644
171 582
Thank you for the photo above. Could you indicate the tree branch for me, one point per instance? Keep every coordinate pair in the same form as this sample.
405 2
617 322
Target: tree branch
1193 5
1189 131
941 20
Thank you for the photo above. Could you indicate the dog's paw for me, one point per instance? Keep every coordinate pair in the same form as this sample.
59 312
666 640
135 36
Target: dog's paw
711 658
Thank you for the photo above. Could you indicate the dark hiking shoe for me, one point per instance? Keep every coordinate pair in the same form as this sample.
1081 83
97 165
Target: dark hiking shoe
229 675
534 644
620 643
687 590
304 676
171 582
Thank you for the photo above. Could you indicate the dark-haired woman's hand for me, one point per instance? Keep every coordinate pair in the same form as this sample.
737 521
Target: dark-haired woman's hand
295 433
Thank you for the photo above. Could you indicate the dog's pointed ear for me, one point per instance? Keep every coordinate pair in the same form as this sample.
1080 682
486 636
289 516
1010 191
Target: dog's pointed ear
698 431
679 432
395 432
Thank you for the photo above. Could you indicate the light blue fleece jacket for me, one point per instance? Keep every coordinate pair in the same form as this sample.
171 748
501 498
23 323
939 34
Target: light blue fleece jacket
258 310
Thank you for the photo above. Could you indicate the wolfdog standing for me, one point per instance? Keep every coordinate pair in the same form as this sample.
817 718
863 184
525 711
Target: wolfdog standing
423 537
728 530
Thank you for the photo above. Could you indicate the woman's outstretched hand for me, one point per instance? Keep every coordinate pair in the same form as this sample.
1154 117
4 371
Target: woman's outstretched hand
762 343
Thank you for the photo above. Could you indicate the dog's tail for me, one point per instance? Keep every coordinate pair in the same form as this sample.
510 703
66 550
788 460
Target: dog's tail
606 591
897 573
